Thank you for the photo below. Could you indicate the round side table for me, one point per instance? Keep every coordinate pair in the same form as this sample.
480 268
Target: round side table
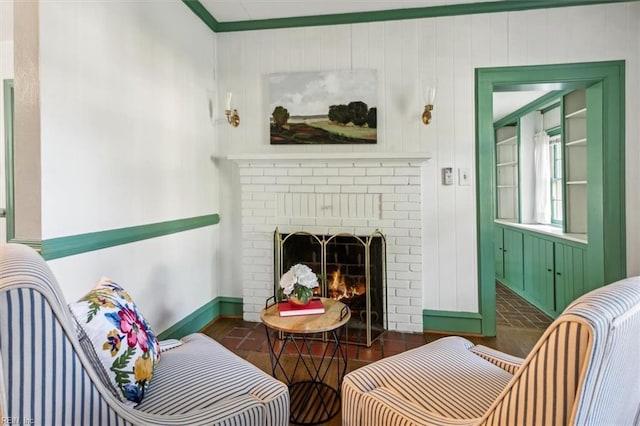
315 344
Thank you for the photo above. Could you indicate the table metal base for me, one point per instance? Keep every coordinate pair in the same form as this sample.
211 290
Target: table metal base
314 398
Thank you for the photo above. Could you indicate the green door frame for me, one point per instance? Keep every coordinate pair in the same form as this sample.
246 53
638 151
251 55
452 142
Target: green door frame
606 251
8 99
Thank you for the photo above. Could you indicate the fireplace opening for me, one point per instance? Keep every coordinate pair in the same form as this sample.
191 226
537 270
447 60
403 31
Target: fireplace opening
352 270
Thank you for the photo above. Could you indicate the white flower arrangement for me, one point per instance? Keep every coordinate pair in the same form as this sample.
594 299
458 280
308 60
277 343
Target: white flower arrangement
300 281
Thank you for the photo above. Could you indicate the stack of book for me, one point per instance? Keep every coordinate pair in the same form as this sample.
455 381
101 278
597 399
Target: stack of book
285 309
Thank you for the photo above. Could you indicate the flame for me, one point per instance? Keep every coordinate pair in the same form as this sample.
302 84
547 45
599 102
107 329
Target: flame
338 288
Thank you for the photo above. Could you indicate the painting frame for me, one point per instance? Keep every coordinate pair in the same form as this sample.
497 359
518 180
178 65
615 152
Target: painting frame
323 107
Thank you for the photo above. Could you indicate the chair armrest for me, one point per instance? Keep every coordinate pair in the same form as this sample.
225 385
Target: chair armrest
384 407
508 363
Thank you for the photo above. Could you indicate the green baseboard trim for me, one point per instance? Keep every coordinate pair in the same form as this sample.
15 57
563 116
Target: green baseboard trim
197 320
452 322
55 248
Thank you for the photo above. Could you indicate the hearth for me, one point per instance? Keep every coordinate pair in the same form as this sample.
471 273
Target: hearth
352 269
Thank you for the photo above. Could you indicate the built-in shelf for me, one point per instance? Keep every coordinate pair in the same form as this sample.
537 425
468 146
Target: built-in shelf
510 141
577 142
577 182
509 163
581 113
506 186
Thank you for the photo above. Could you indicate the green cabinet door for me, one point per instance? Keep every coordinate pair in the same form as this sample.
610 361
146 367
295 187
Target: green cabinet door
570 274
513 260
499 253
539 273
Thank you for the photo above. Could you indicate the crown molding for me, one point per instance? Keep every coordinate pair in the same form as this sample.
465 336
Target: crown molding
384 15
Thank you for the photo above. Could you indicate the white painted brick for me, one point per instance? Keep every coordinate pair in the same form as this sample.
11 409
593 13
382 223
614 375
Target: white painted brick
408 258
302 188
341 229
394 180
415 180
398 250
340 180
378 223
303 221
381 189
253 204
323 189
330 171
406 171
416 250
352 171
415 232
252 188
409 276
262 196
301 172
366 180
392 214
273 171
314 180
396 232
382 171
398 301
288 180
246 180
415 198
407 206
267 180
408 224
408 189
312 164
251 171
415 215
394 198
412 241
353 189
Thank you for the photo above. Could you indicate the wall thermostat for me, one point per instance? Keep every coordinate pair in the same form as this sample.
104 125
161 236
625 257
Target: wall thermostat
447 176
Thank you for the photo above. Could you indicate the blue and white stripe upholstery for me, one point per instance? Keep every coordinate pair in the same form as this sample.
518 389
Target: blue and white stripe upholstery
46 379
584 370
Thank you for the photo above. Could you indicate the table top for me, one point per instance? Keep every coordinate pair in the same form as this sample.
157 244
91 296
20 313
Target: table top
318 323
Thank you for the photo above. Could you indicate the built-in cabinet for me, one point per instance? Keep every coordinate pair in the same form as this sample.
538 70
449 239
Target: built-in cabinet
547 271
509 264
549 267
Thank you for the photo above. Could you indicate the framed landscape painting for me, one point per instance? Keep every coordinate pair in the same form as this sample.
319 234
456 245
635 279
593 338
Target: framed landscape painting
324 107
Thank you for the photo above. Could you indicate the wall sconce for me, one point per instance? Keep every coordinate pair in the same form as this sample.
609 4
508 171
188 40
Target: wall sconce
233 117
430 97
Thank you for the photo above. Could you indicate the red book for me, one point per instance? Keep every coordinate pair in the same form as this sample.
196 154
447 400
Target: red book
314 307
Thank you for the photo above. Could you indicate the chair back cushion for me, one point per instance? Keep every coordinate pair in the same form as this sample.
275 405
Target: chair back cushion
43 370
584 369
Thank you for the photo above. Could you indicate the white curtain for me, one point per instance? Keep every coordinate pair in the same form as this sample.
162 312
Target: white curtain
542 182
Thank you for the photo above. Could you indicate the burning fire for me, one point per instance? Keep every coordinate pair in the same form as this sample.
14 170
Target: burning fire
338 288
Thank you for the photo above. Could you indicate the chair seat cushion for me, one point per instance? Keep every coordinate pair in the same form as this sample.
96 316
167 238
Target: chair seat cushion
443 378
201 374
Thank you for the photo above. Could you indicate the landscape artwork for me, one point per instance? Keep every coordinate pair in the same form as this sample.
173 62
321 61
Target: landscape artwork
325 107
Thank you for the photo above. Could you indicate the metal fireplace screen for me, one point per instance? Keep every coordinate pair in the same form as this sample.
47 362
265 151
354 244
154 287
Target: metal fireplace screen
352 269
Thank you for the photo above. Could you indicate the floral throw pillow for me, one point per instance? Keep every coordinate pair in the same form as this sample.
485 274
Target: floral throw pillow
113 331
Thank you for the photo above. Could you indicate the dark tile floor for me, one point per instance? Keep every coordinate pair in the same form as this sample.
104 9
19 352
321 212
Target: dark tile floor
514 311
519 324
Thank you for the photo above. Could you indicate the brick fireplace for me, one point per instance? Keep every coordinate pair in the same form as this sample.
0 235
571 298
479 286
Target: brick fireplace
334 193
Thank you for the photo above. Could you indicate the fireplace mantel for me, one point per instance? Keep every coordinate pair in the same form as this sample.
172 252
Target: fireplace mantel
332 156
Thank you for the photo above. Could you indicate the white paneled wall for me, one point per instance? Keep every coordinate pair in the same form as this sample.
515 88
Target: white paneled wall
444 51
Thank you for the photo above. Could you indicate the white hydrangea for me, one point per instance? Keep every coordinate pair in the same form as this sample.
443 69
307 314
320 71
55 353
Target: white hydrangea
298 274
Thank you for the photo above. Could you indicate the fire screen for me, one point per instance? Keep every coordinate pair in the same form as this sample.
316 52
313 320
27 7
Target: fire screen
352 269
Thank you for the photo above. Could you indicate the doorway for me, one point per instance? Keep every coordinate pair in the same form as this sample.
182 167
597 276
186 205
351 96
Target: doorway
606 250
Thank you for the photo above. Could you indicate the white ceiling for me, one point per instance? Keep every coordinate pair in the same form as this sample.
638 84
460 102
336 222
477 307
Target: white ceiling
245 10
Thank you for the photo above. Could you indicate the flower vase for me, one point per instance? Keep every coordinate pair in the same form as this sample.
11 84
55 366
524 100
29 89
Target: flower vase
298 303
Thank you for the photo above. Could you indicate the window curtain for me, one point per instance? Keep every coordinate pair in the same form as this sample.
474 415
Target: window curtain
542 182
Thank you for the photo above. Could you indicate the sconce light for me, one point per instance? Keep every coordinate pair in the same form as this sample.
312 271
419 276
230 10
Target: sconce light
233 117
430 97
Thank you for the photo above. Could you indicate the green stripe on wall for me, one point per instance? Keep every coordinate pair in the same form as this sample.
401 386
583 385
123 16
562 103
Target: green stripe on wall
452 322
55 248
383 15
196 321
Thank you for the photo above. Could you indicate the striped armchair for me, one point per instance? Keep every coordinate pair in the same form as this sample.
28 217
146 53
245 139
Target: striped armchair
46 378
584 370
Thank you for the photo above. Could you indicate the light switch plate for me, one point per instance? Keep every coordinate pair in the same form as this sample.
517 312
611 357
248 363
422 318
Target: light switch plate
447 175
464 177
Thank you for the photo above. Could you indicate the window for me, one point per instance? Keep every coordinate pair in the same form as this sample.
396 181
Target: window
555 157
